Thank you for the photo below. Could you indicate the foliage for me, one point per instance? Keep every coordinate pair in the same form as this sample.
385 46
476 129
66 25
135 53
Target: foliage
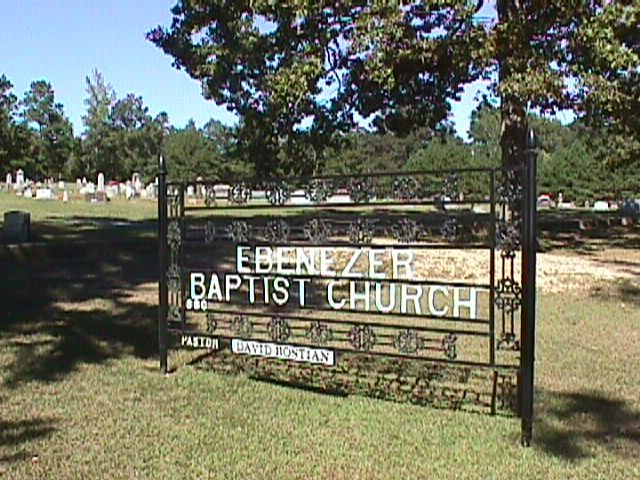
53 136
297 72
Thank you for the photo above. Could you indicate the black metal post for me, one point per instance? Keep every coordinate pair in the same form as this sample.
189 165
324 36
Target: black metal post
162 248
528 319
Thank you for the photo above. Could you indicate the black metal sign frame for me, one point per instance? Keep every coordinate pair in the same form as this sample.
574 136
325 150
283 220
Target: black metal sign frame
385 213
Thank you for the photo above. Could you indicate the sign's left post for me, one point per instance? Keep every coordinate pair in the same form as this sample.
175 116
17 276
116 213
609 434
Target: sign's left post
163 264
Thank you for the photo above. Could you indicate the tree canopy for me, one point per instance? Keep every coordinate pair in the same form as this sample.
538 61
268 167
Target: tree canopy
298 72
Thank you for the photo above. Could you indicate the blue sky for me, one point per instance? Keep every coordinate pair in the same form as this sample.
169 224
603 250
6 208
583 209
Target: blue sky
62 41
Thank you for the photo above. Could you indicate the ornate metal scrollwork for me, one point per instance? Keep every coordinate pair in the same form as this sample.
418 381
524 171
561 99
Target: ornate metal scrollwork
507 236
450 187
210 197
506 393
361 231
174 235
212 323
238 231
318 191
317 231
239 193
508 295
408 341
279 329
209 232
173 278
361 190
508 341
173 197
278 193
319 333
241 326
362 337
276 231
449 346
449 229
406 230
174 314
405 188
509 191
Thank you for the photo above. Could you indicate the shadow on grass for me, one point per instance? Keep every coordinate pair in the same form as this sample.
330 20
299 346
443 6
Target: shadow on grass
574 425
62 311
15 433
623 291
585 232
391 379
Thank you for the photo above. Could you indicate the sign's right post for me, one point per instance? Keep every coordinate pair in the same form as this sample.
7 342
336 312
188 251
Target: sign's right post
528 312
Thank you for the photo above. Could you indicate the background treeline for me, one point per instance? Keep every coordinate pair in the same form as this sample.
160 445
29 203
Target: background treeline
120 137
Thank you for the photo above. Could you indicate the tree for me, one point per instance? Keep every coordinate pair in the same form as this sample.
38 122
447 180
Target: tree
120 137
98 149
190 154
8 103
53 131
297 72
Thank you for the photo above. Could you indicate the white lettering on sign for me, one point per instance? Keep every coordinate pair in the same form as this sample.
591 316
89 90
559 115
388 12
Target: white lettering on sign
379 280
199 341
294 353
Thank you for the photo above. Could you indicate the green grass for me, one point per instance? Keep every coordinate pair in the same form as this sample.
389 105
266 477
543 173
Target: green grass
82 398
78 220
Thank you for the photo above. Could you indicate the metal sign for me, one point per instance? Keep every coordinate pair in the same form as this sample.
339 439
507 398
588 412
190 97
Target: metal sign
431 266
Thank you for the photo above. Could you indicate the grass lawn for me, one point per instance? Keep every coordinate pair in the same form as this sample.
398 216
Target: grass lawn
81 395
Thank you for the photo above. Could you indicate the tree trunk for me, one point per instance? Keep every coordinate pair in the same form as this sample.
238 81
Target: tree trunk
513 114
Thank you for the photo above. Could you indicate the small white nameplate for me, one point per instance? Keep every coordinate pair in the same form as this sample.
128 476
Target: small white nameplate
199 341
284 352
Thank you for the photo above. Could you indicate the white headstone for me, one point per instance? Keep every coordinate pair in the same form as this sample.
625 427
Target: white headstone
9 181
20 177
78 182
137 183
44 194
27 193
100 182
65 196
61 185
84 180
191 191
601 206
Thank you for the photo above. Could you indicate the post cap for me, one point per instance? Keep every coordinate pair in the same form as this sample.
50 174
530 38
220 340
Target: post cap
532 139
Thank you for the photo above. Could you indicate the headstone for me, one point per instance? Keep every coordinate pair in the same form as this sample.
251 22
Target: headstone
100 182
129 191
45 194
61 185
152 190
560 198
27 193
84 180
191 191
601 206
78 182
101 196
65 196
9 181
19 178
137 183
17 226
112 191
630 209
